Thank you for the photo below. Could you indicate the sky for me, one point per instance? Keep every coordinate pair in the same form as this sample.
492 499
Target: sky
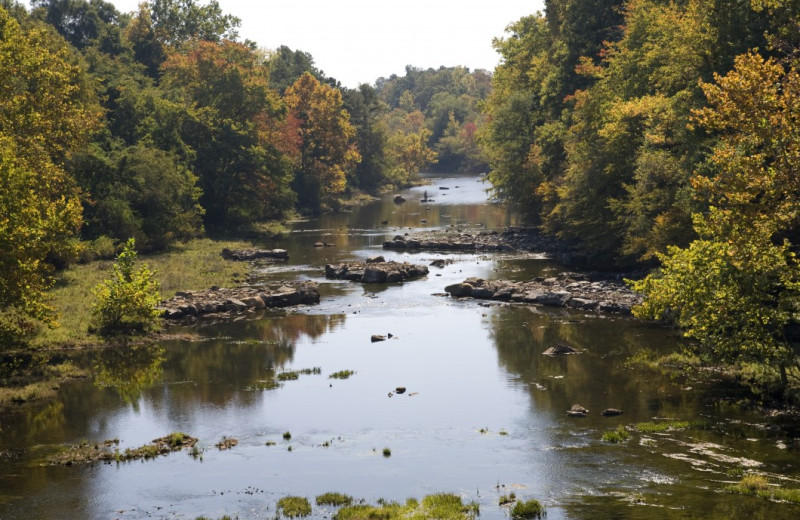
359 41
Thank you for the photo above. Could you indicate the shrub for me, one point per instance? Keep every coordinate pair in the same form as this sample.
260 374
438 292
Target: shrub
127 302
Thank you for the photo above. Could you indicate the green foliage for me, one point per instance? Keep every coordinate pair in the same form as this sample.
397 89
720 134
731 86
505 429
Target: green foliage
127 302
237 126
737 289
293 506
45 113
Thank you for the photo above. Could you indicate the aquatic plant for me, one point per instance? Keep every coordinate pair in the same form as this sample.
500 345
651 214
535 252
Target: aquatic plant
662 426
267 384
444 506
294 506
293 375
92 452
616 436
334 499
528 509
341 374
227 443
507 499
758 485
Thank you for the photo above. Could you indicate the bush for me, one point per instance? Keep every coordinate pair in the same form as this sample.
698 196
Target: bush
126 303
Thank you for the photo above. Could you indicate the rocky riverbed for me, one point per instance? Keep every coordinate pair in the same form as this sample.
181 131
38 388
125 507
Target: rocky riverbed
375 270
568 290
221 302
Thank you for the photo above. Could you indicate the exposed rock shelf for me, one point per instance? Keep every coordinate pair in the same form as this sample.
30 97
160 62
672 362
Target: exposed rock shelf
601 296
217 302
375 271
508 240
244 255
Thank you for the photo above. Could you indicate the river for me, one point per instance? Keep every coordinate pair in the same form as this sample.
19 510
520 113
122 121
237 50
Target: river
484 413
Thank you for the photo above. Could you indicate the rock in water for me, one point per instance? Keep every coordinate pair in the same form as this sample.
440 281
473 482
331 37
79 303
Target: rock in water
560 350
577 411
611 412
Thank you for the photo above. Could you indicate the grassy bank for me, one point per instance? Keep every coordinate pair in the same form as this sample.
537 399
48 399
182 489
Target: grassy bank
36 372
188 266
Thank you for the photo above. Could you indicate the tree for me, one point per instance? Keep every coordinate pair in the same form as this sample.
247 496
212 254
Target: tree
126 303
45 113
737 288
238 128
366 112
327 149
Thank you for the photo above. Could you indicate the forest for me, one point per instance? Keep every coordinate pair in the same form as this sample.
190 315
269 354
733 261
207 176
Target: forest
664 135
162 125
646 134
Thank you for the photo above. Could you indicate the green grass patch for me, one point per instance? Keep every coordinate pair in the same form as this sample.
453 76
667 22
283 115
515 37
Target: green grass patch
341 374
294 506
192 265
664 426
334 499
442 506
525 509
616 436
758 485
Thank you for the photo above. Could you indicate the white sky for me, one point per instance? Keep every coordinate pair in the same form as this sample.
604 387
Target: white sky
358 41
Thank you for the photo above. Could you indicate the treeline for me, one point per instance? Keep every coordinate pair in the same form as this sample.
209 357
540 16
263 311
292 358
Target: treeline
666 133
161 124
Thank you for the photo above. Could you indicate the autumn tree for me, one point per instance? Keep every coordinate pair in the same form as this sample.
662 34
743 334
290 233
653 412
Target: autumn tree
45 113
736 289
327 152
237 129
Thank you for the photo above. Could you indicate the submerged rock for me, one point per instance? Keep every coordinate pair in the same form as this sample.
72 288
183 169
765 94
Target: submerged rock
611 412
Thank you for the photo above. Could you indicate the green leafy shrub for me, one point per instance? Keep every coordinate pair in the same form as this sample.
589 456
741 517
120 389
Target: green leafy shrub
127 302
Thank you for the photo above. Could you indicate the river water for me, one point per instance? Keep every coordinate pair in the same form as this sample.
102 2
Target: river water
483 414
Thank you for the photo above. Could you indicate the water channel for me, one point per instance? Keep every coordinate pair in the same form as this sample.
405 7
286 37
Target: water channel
483 415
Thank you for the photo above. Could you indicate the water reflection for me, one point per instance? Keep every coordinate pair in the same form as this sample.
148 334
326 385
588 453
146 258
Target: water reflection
474 365
128 369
